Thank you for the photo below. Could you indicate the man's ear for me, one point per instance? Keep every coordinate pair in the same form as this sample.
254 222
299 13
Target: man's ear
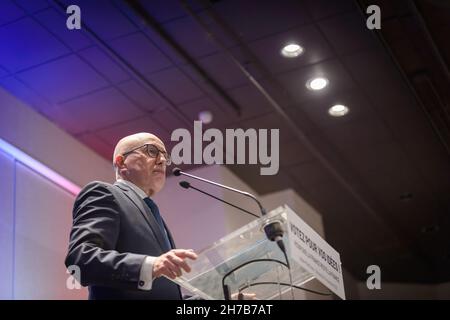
119 161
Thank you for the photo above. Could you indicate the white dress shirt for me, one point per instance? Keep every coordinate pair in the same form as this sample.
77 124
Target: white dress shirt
146 273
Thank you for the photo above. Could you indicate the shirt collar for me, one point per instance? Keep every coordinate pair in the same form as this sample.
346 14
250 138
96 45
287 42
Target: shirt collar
141 193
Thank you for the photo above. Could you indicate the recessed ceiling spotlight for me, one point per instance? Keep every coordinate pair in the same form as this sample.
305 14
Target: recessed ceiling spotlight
292 50
205 116
317 83
338 110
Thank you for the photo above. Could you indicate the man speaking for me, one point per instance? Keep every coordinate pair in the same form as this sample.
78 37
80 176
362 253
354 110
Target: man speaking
119 239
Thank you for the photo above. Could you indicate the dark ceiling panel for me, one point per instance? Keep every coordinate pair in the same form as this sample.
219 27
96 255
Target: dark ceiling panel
142 96
320 9
309 173
407 123
104 65
3 72
170 120
113 134
317 108
187 33
163 11
225 72
220 118
55 22
251 100
175 85
28 45
358 134
430 157
68 70
95 110
32 6
301 120
403 194
295 81
111 23
10 12
138 51
382 85
375 157
267 121
293 153
268 49
281 17
348 33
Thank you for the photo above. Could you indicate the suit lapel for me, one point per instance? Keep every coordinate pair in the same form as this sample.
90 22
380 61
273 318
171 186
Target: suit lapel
146 212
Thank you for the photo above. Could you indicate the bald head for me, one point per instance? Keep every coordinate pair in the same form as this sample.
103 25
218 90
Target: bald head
138 167
133 141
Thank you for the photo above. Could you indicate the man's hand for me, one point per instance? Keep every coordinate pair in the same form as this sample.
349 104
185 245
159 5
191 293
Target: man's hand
170 263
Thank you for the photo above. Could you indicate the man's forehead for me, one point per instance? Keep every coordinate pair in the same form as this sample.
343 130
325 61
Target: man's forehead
137 140
154 140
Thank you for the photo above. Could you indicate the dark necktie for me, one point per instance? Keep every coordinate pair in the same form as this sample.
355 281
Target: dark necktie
154 208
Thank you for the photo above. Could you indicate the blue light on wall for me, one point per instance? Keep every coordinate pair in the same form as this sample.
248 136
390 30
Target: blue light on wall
39 167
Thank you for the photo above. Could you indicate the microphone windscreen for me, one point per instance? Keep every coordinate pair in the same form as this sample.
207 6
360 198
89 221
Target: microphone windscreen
185 184
176 171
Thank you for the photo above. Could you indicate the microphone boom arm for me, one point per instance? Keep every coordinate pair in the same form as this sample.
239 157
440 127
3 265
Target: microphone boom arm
188 185
263 211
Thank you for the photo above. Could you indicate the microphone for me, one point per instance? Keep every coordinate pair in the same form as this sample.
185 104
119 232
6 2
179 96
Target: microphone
177 172
187 185
272 229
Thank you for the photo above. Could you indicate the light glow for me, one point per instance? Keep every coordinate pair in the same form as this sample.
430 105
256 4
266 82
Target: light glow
292 50
338 110
317 83
40 168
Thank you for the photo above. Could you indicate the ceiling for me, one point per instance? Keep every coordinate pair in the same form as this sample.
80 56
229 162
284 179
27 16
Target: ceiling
380 176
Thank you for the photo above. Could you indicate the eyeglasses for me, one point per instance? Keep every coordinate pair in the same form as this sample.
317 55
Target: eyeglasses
152 152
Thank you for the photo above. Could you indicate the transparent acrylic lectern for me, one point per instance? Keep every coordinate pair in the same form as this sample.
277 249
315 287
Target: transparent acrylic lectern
265 279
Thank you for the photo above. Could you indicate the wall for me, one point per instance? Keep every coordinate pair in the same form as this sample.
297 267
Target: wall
36 212
6 225
44 141
351 285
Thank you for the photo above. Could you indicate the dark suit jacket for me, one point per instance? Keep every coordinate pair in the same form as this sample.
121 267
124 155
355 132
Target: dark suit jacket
113 231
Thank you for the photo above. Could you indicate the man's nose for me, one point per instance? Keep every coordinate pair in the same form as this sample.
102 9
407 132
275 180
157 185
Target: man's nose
160 158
